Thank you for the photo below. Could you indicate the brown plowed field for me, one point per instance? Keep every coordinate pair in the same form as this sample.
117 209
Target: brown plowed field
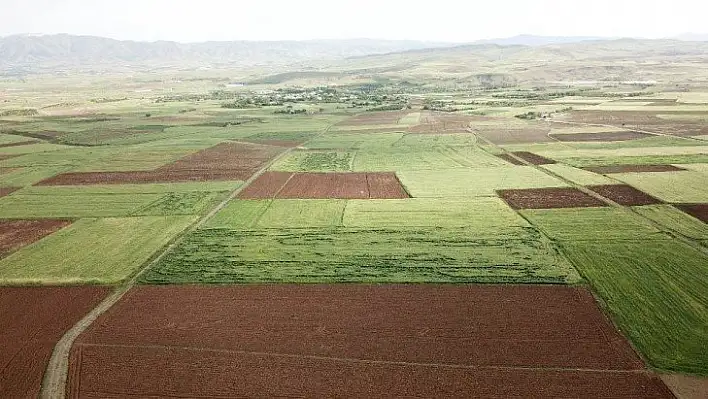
548 198
145 177
374 118
357 340
8 190
15 234
533 159
606 170
625 195
516 136
286 185
34 319
646 120
17 144
609 136
385 185
223 162
510 159
699 211
266 185
438 122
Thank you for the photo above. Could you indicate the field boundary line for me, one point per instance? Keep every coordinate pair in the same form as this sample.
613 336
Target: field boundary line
55 378
371 361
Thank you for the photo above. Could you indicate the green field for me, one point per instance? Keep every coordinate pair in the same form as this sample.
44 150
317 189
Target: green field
590 224
315 161
361 255
674 220
656 292
479 182
674 187
91 251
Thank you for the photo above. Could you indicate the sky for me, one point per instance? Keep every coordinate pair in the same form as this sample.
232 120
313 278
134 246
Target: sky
437 20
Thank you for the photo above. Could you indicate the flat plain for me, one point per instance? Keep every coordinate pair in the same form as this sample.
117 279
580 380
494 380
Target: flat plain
427 238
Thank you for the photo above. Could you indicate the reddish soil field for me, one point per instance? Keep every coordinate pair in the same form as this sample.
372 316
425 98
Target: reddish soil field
15 234
223 162
33 320
286 185
606 170
438 122
8 190
385 185
510 159
533 159
20 143
266 185
374 118
145 177
625 195
642 121
516 136
609 136
699 211
361 340
548 198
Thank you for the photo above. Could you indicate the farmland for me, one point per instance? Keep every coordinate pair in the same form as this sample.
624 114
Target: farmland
410 230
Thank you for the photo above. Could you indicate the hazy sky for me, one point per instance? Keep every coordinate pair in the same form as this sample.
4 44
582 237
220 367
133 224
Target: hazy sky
438 20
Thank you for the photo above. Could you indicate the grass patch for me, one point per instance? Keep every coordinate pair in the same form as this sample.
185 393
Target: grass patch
78 205
432 158
354 141
315 161
92 251
674 220
674 187
656 292
591 224
302 213
485 216
578 176
361 255
474 182
190 203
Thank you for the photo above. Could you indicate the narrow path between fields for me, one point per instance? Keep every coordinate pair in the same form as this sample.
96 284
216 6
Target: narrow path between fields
56 375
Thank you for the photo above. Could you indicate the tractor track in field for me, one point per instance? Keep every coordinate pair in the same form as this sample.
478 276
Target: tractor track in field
56 374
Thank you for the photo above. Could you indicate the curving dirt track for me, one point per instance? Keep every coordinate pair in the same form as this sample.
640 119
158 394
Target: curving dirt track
34 319
357 340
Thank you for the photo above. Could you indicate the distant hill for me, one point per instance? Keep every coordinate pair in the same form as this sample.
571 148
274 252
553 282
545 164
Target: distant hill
37 51
532 40
693 37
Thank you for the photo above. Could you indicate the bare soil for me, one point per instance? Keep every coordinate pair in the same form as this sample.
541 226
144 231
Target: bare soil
34 319
8 190
609 136
642 121
625 195
223 162
606 170
517 136
687 386
549 198
533 159
266 185
384 185
699 211
359 341
15 234
510 159
441 122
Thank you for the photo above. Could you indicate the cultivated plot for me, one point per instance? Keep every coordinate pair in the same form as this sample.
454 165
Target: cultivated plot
656 293
34 319
465 341
92 251
477 182
15 234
